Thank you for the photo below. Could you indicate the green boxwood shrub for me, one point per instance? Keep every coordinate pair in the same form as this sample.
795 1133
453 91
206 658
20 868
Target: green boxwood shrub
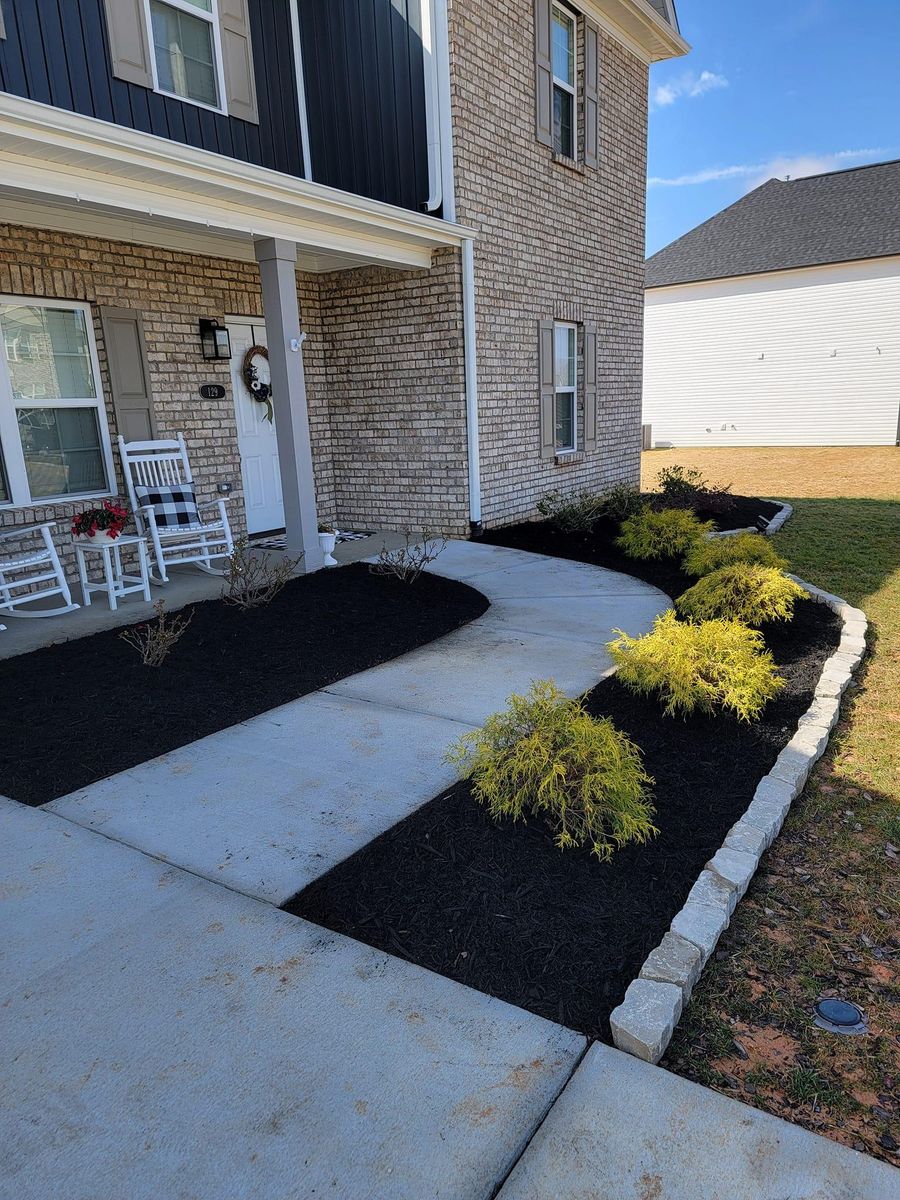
709 554
714 665
744 592
662 533
546 756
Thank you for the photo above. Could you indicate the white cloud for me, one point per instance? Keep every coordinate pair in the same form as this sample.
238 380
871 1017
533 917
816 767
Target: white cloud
689 85
776 168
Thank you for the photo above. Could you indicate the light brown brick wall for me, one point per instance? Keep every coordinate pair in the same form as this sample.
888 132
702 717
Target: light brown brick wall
396 389
554 242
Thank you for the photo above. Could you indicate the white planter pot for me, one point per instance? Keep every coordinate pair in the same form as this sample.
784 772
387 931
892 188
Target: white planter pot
327 542
99 538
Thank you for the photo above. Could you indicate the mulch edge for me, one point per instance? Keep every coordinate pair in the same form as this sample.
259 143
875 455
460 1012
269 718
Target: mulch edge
643 1024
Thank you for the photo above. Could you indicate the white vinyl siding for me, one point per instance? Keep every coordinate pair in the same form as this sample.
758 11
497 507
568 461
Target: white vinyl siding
793 358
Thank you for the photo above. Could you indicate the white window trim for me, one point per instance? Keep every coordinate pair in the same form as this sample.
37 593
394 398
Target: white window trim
213 17
10 440
571 391
572 89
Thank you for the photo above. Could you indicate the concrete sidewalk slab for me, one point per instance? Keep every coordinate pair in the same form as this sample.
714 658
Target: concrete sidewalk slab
266 806
625 1130
168 1037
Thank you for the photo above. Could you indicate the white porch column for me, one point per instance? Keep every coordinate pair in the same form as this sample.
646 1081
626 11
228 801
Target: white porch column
277 269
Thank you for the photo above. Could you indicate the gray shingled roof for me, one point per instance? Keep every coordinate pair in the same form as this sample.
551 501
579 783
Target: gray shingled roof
840 217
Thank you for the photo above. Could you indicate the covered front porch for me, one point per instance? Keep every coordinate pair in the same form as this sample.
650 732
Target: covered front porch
343 292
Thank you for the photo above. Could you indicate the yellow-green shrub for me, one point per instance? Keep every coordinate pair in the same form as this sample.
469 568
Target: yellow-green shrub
716 664
545 755
744 592
709 554
663 533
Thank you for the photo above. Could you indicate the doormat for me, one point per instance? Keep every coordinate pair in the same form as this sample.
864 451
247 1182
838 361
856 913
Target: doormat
277 541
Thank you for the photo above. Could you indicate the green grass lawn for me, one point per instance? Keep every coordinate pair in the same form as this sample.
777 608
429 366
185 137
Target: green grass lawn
822 916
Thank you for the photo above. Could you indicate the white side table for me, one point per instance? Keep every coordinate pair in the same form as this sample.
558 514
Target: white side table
115 583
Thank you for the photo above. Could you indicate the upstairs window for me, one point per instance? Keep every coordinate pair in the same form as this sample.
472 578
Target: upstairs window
565 88
185 50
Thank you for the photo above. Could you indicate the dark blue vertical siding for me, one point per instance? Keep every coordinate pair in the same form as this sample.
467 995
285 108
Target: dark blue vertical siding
364 79
57 52
365 97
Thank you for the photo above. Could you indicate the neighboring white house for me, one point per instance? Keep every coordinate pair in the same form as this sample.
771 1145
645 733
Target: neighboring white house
777 322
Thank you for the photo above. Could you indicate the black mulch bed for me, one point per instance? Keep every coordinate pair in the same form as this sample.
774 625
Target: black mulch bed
74 713
599 548
501 909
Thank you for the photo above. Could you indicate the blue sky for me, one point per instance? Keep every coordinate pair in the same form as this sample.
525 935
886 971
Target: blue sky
771 87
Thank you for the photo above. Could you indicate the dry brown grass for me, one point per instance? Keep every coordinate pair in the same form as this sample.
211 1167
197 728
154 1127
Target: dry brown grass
822 916
785 471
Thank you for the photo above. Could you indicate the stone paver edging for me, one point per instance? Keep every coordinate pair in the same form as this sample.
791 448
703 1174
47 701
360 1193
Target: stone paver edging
644 1022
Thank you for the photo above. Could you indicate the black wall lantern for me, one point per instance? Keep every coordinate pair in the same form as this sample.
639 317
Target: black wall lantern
214 339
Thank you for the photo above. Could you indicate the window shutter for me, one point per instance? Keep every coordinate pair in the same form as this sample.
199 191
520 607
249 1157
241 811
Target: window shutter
590 387
237 58
129 375
591 93
547 389
129 42
543 73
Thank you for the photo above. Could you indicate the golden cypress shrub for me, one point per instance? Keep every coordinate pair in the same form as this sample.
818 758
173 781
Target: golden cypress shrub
714 665
744 592
663 533
546 756
710 554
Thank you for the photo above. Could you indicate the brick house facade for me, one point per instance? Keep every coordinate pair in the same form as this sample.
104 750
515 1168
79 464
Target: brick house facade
557 238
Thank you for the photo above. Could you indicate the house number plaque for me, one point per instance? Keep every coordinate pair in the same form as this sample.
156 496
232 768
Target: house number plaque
212 391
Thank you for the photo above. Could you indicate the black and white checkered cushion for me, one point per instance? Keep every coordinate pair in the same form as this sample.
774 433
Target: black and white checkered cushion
172 506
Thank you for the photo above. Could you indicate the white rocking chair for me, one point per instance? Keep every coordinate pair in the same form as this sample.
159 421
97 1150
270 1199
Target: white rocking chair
32 574
162 465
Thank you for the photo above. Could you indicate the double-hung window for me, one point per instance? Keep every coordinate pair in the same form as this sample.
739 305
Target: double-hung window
565 93
54 441
187 54
565 387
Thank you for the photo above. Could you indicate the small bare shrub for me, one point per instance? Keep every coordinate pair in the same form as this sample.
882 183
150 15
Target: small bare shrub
407 562
254 578
575 513
154 639
686 487
621 501
546 756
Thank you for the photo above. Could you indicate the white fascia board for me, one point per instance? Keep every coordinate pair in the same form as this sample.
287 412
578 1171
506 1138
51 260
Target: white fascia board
55 152
638 27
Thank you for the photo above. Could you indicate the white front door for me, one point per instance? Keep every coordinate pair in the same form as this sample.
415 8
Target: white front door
257 439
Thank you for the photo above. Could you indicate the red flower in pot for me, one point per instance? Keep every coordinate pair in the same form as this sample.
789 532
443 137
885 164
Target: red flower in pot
102 524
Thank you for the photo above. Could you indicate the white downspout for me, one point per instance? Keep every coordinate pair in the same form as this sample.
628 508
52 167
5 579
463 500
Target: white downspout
427 17
471 363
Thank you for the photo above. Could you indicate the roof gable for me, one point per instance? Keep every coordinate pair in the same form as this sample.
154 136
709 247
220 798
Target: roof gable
821 219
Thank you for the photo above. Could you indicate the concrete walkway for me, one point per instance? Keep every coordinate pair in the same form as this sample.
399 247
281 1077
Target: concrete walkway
164 1035
623 1130
267 806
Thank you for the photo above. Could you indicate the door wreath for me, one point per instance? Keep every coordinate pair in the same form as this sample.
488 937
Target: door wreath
258 378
